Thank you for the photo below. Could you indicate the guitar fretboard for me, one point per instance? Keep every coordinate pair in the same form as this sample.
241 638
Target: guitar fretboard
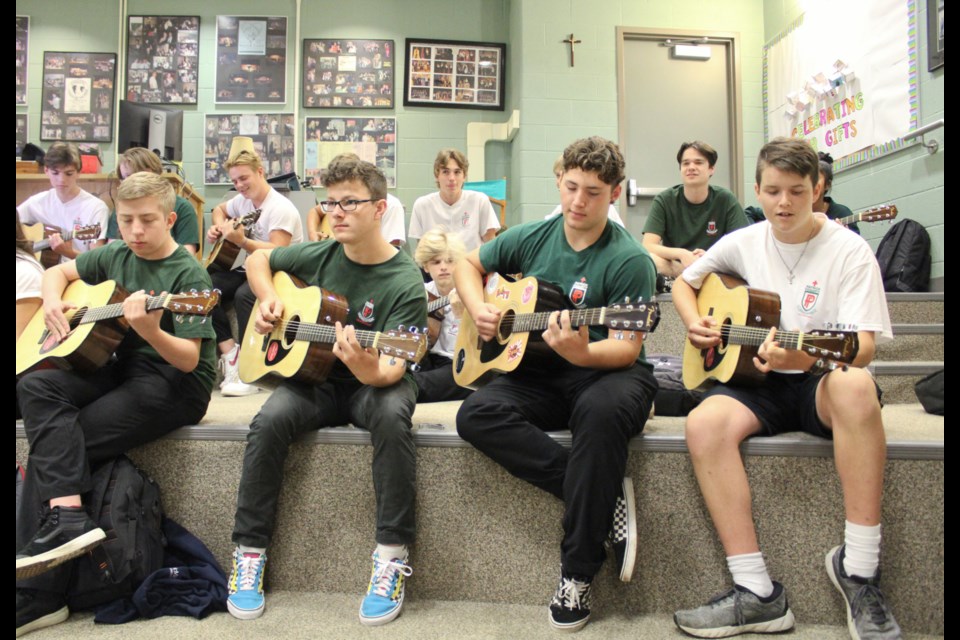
539 320
439 303
327 334
791 340
108 311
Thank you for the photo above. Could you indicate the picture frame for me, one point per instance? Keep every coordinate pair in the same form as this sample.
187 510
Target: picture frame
163 53
346 73
274 140
22 42
23 126
935 41
251 57
454 74
374 139
78 96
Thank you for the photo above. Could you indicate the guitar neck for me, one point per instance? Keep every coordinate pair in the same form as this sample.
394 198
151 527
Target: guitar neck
115 310
439 303
43 245
538 321
755 336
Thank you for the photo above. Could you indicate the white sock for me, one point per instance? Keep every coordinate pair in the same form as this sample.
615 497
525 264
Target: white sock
392 551
862 554
246 549
749 570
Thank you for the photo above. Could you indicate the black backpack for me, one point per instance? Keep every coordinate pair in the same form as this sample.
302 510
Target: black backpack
125 502
904 257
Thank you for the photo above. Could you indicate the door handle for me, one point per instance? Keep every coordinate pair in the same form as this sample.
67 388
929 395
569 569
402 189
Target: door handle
634 191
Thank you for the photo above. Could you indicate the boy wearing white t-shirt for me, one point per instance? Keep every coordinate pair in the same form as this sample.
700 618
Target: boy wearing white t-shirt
827 278
66 206
468 213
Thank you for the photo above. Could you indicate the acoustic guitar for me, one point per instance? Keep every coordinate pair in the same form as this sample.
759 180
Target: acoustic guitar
40 234
224 253
300 347
97 325
525 307
744 316
875 214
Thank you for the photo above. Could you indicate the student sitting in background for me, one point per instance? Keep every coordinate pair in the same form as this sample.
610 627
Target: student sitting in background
185 230
825 203
437 253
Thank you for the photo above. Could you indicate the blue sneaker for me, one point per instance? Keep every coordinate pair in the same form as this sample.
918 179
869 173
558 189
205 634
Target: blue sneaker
385 595
246 585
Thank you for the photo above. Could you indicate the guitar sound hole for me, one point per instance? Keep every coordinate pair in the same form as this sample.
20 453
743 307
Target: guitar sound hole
725 333
505 330
290 331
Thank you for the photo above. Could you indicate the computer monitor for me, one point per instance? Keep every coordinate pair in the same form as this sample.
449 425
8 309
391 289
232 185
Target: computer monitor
151 127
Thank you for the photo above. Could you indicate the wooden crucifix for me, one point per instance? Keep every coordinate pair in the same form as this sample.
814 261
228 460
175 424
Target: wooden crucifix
572 42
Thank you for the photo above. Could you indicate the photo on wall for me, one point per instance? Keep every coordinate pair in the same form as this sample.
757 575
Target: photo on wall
348 74
22 42
78 91
453 74
373 139
162 56
251 60
274 140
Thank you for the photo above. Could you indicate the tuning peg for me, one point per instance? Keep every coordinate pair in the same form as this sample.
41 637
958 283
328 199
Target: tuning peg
218 292
387 350
193 291
203 320
619 335
414 367
413 329
633 336
178 318
402 328
626 299
393 361
206 292
423 330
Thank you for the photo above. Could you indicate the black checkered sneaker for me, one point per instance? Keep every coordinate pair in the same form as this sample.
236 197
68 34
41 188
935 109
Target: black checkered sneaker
623 531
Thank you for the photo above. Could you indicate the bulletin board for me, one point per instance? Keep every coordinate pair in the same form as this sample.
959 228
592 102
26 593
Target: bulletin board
844 77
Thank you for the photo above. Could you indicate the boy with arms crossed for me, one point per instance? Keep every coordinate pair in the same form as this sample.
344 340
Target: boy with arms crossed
160 381
599 385
826 277
371 391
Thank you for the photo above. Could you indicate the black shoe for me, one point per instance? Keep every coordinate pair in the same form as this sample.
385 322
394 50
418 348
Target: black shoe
623 531
570 607
39 609
65 533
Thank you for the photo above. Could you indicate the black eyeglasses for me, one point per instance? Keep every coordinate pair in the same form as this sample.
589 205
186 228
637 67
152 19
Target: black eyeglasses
329 206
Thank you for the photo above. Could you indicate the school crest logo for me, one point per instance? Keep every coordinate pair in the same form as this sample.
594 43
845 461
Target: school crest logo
811 295
465 219
712 228
365 315
578 293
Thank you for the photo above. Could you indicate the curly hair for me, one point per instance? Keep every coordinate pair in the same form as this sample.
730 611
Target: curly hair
597 155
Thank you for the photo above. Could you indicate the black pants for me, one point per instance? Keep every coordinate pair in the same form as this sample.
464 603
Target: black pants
507 421
435 380
233 286
76 421
294 409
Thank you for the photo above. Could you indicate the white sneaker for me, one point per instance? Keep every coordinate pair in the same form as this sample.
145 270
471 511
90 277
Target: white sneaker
232 386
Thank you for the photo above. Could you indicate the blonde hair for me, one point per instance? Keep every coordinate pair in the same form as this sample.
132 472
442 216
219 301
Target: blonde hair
244 159
144 184
139 159
436 243
558 166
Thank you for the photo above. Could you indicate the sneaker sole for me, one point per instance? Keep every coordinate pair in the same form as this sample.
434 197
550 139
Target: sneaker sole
851 626
36 565
385 618
569 627
244 614
227 392
779 625
630 556
58 616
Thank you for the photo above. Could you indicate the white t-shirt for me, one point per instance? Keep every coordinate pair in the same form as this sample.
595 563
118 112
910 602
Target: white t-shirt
276 212
392 222
29 275
612 214
471 216
837 282
449 327
83 210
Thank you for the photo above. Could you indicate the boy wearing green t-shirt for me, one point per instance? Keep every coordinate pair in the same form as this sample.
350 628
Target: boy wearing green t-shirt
384 290
160 380
599 386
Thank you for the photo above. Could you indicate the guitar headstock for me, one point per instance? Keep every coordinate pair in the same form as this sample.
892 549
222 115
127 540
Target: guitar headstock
835 346
192 303
632 316
87 233
249 219
878 214
406 345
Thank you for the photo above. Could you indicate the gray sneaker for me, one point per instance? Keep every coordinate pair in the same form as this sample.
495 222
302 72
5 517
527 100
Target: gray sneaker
868 615
738 611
